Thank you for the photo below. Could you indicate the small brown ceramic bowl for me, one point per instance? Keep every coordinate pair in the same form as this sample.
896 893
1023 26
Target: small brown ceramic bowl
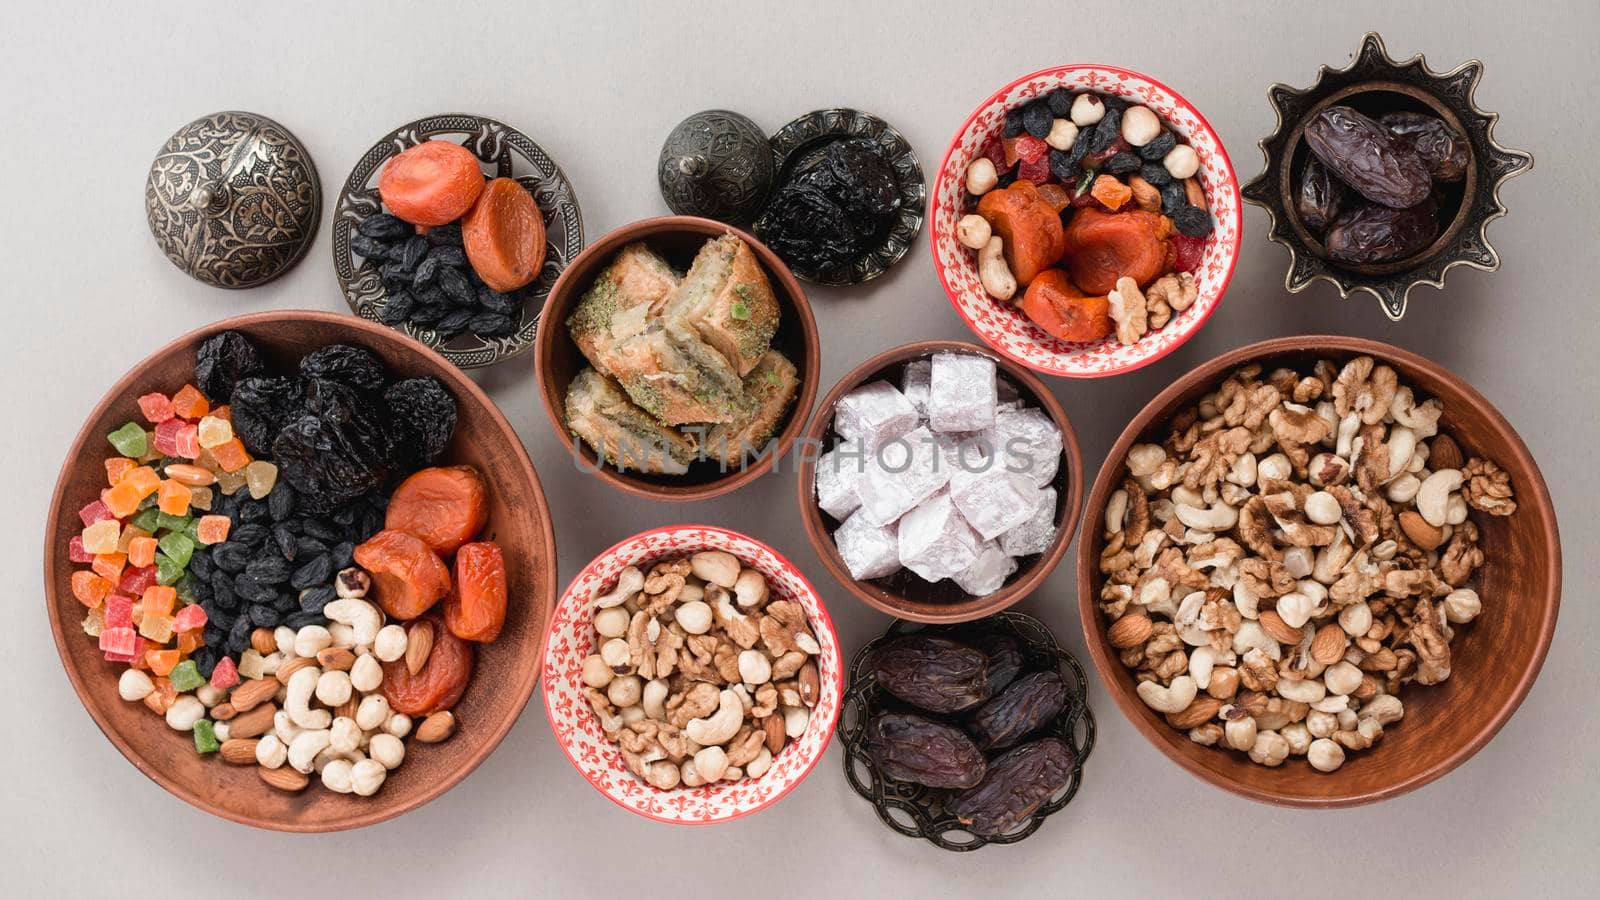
903 594
558 360
1494 660
506 670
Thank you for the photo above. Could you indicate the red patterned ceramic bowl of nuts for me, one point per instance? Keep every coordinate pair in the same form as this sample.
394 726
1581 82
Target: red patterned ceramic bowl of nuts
692 675
1203 251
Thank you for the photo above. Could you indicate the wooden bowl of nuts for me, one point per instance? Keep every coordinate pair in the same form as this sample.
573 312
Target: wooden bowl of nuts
692 675
1319 571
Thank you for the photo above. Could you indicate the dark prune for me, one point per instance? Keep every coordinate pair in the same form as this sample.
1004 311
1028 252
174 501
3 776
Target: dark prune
1192 221
860 178
1060 103
1319 198
1123 164
326 466
908 747
456 287
1013 123
936 674
1106 131
1159 147
1016 785
1005 659
345 364
261 407
802 224
1157 174
1368 158
837 203
384 227
355 412
1441 147
222 361
1028 704
1037 119
368 248
1373 234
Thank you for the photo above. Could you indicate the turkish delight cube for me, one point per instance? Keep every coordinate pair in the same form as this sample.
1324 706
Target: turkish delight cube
1037 533
988 573
1027 442
874 413
868 550
900 474
839 471
961 392
935 542
915 382
993 501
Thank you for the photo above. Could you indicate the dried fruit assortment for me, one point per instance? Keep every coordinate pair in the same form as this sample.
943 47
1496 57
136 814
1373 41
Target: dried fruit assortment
1296 549
700 674
456 253
836 204
949 476
1371 190
973 724
683 365
1088 213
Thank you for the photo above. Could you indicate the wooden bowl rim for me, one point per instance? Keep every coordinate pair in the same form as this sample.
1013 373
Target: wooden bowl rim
553 329
1533 500
523 691
977 607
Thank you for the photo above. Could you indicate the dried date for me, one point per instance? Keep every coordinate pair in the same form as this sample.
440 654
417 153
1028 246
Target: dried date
1005 659
1031 702
908 747
1016 785
1320 197
1373 234
1443 148
1367 157
935 674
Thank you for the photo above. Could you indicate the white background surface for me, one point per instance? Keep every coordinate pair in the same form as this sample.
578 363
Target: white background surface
91 91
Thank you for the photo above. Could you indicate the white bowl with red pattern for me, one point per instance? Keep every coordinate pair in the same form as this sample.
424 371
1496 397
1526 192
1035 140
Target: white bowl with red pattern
571 638
1001 325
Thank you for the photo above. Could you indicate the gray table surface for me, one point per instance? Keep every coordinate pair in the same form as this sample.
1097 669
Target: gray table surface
93 90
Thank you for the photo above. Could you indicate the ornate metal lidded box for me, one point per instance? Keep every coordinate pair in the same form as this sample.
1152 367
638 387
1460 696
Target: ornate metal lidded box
233 199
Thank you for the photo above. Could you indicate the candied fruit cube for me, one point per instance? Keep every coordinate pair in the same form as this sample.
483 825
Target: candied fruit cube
89 588
159 599
118 640
167 570
94 622
142 551
193 476
122 500
166 436
186 676
75 551
129 532
94 512
223 412
213 431
167 522
147 519
188 442
200 498
118 611
161 662
189 618
230 482
165 694
177 547
157 407
173 498
156 628
205 737
144 479
102 536
225 675
190 403
261 476
116 467
231 455
130 440
134 581
190 641
213 529
109 566
251 665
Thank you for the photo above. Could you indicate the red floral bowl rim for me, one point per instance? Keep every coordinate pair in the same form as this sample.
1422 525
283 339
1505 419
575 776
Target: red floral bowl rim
1232 185
822 624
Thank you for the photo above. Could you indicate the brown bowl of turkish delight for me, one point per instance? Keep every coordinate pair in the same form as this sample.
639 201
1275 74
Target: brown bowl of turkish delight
944 483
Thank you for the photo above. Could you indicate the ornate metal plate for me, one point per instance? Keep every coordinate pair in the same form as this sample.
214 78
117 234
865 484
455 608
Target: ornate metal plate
505 153
815 128
233 199
918 811
1465 242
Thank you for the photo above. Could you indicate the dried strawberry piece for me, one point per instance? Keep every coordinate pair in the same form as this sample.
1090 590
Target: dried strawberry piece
1035 170
995 153
1190 251
1030 149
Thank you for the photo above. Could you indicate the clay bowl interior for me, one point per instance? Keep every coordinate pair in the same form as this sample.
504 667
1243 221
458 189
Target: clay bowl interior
677 238
577 730
1373 99
1494 659
506 670
904 594
1003 326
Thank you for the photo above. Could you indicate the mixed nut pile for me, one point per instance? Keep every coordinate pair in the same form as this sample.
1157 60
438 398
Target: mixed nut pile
701 674
1296 549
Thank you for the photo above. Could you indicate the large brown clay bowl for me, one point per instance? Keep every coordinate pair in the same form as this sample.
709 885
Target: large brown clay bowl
558 360
506 671
1494 660
903 594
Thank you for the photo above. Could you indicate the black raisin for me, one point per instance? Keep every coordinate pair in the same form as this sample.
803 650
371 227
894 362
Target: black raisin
313 599
1060 103
447 255
252 512
1192 221
1080 147
302 619
343 554
397 308
384 227
1157 149
426 270
222 361
428 313
1036 119
254 590
268 567
263 616
1173 196
309 545
1062 166
412 253
1123 163
491 325
1157 174
252 535
288 545
319 529
455 321
312 573
446 235
496 302
456 287
230 556
368 248
1106 131
200 566
1013 124
280 503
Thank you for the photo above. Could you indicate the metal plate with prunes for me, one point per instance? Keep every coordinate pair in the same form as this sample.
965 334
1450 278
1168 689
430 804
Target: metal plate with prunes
966 735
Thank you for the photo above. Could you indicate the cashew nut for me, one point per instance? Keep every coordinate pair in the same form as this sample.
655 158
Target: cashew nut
973 231
720 725
1295 608
310 639
360 615
981 179
993 273
629 582
654 699
758 767
1433 497
1301 691
1202 661
691 775
1402 444
1116 511
1174 698
1385 708
297 702
1218 516
795 720
304 748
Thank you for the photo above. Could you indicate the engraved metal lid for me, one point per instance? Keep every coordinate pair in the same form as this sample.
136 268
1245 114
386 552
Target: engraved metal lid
233 199
716 164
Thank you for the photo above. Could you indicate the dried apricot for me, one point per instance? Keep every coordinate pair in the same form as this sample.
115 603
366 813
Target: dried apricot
1055 304
1028 226
1111 192
438 684
1102 247
433 183
504 236
476 606
407 577
444 506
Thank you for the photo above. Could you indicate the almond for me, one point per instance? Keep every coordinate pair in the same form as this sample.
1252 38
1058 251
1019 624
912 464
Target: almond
222 712
437 727
810 684
1145 194
1201 711
1329 644
1274 625
419 645
252 694
1224 682
239 751
1130 631
336 658
1444 453
263 642
289 667
773 726
283 778
254 723
1418 531
1383 661
1195 194
1368 688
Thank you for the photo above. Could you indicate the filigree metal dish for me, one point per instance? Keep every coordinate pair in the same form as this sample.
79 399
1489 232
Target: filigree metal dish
1375 78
